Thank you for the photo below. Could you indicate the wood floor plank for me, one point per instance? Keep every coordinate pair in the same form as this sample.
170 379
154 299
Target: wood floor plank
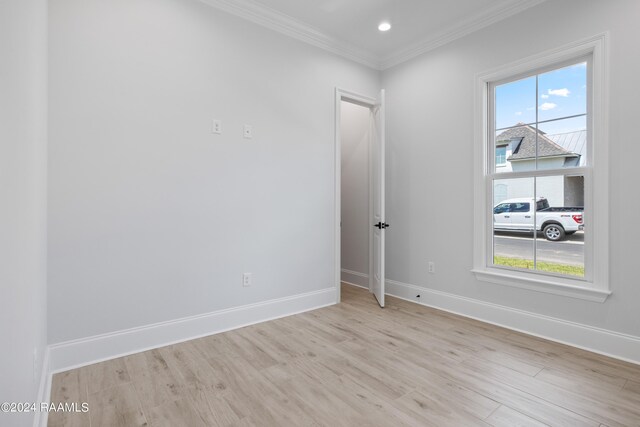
117 406
180 413
325 406
512 362
536 407
600 406
253 395
68 388
576 360
356 364
459 397
189 367
591 382
214 407
632 387
153 380
246 422
362 398
507 417
101 376
435 413
248 348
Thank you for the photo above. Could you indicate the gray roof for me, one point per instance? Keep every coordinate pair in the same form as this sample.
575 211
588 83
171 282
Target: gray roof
575 142
526 148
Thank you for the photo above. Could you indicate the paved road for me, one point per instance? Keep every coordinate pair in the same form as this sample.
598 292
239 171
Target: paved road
570 251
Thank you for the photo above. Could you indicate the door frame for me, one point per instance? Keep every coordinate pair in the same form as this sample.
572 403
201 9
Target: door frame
370 103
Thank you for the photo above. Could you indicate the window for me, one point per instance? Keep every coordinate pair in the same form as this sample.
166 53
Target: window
541 204
545 115
501 155
520 207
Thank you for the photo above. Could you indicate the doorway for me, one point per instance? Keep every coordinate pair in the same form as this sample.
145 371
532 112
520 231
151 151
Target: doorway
354 194
360 226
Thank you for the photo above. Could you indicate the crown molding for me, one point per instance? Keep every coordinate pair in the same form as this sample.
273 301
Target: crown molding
487 17
289 26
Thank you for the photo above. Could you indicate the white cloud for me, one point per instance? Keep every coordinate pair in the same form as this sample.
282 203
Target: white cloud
548 106
564 92
543 96
518 113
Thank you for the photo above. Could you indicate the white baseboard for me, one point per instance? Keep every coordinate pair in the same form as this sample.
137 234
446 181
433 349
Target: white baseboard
608 343
86 351
354 278
44 390
344 282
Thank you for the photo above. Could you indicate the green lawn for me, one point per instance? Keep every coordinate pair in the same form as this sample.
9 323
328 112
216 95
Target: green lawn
551 267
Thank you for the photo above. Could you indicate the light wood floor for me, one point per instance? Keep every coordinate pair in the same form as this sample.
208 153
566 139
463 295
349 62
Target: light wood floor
355 364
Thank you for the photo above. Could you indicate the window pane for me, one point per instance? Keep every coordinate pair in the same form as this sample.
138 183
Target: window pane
563 143
515 103
501 155
519 149
513 238
559 217
562 92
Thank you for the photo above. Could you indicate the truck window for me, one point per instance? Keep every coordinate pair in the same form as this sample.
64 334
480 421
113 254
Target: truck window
501 208
520 207
542 204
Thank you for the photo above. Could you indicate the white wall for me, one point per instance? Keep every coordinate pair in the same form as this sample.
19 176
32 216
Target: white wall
354 136
151 216
23 123
430 121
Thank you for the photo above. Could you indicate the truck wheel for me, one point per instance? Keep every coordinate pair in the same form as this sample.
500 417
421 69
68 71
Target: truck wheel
553 232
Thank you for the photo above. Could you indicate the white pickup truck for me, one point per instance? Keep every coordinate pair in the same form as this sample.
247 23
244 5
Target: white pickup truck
555 223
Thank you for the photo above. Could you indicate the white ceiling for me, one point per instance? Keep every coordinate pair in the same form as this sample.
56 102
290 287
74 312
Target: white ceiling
350 27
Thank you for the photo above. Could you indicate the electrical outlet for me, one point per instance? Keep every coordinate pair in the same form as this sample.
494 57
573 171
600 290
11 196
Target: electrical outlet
432 267
246 279
248 131
217 126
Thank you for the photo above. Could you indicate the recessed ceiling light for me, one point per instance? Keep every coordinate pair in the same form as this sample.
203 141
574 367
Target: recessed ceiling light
385 26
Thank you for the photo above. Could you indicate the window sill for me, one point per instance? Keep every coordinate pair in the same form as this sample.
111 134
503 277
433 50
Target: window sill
546 285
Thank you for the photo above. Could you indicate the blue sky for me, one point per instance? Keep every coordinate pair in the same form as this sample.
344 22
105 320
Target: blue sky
561 93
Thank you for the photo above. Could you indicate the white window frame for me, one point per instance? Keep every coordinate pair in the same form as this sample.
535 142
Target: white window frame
595 285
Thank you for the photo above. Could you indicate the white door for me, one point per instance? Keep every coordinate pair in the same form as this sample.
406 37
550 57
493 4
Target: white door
378 225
